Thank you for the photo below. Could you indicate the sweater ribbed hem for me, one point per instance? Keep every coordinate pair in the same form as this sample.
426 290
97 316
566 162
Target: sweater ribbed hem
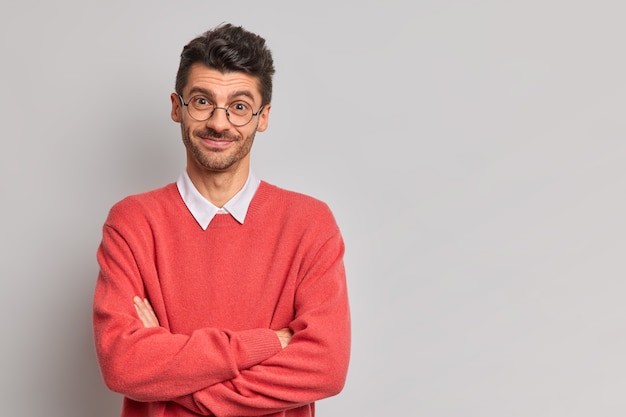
257 345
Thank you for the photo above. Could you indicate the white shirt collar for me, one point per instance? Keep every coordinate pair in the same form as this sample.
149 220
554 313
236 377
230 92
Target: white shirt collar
204 211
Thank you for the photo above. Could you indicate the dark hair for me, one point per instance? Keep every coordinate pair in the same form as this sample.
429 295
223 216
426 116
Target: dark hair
229 48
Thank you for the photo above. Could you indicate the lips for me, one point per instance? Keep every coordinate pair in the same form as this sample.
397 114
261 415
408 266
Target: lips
212 139
215 144
213 136
215 140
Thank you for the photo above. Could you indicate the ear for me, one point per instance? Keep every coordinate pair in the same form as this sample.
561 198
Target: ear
264 118
177 108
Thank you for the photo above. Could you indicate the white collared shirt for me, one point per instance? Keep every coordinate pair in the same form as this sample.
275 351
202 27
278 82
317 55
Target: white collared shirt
204 211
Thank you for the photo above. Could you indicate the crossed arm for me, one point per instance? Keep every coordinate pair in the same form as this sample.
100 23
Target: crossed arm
149 319
197 402
221 372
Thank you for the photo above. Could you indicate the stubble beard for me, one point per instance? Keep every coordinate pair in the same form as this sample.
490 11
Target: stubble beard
219 160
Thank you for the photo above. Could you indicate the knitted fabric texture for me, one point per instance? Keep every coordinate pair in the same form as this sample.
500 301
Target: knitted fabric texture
218 295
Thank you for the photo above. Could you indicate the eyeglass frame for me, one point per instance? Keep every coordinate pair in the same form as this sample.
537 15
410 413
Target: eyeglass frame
219 107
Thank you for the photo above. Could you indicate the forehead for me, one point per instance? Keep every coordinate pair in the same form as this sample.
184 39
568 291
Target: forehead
202 78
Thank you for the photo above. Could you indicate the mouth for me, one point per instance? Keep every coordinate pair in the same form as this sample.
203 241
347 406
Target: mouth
216 141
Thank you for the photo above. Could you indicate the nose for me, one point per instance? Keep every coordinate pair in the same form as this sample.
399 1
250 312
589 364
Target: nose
219 119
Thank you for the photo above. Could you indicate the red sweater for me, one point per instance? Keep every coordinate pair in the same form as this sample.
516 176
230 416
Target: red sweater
218 295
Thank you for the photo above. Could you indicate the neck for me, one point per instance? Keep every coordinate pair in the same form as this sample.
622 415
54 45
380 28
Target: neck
218 187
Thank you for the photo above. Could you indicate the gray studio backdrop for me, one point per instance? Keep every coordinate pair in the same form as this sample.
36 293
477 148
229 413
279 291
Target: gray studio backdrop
472 151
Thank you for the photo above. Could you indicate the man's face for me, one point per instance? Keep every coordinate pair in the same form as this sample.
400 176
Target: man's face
216 144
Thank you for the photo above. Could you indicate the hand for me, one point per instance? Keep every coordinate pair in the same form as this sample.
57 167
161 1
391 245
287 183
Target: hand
145 312
284 335
149 319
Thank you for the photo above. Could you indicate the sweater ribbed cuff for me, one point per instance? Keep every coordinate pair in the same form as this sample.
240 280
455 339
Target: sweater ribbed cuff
254 346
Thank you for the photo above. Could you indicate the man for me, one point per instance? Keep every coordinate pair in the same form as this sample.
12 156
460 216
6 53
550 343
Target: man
221 294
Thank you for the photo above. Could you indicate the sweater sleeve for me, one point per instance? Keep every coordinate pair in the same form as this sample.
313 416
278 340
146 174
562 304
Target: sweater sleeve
153 364
313 366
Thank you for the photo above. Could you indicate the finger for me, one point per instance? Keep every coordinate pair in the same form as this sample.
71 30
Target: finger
148 306
154 321
142 315
145 313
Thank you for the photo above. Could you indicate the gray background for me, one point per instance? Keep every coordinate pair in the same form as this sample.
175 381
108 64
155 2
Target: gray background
472 152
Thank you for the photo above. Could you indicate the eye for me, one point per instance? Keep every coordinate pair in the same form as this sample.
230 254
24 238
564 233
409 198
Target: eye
240 107
200 102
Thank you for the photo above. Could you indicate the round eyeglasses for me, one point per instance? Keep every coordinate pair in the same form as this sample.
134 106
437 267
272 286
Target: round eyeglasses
239 113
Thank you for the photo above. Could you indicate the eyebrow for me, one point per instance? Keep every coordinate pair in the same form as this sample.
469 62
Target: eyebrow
231 96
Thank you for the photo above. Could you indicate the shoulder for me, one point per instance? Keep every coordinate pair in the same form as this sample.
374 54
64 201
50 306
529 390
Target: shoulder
143 205
294 200
305 221
295 208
